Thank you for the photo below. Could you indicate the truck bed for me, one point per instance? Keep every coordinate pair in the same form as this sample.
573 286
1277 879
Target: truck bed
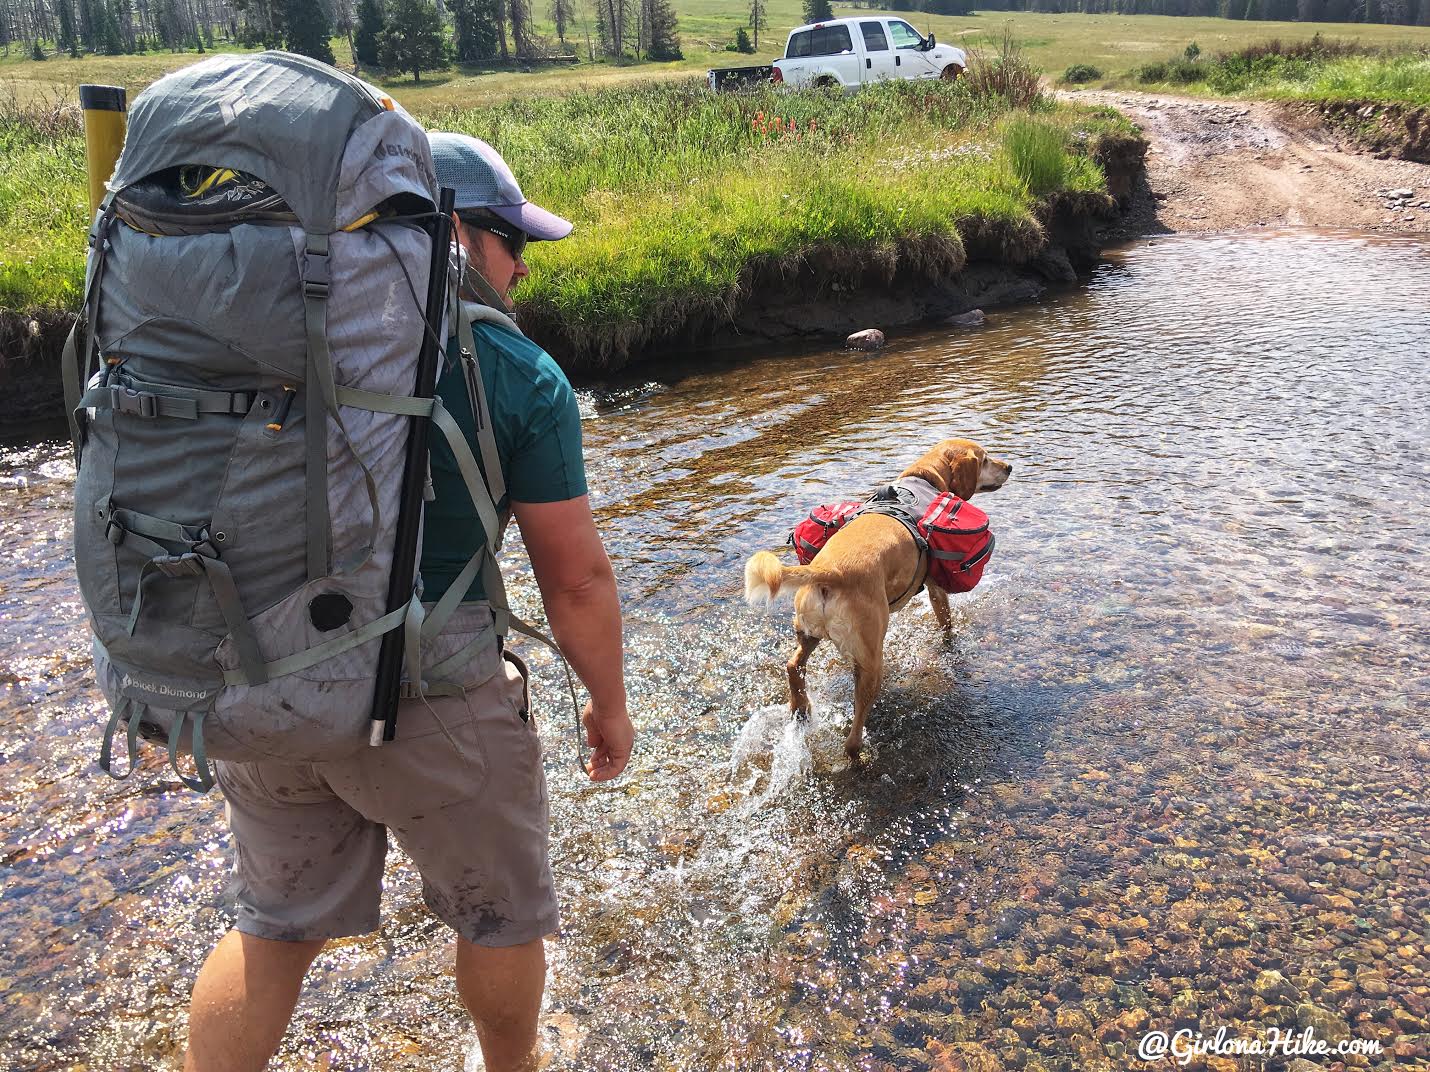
724 79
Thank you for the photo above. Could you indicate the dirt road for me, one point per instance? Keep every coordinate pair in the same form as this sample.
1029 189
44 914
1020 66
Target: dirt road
1223 165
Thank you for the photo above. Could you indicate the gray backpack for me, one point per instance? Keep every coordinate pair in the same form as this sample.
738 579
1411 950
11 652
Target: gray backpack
241 386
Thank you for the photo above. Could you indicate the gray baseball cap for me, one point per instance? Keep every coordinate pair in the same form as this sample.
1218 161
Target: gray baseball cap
482 180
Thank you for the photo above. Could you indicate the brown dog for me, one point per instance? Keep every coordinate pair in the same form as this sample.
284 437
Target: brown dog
868 569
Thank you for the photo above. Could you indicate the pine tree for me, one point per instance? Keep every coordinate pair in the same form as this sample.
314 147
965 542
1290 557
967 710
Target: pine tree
817 11
520 27
758 19
612 26
498 10
563 14
370 24
307 30
414 39
111 41
476 30
661 34
68 39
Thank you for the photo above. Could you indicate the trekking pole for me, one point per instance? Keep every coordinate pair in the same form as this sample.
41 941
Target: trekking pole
388 688
104 122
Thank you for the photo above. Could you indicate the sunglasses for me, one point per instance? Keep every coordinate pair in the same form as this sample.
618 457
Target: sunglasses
514 239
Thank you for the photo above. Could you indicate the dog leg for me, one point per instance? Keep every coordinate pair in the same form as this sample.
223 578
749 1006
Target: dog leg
867 680
798 697
938 600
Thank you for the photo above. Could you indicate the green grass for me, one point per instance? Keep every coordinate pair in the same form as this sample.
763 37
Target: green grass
1405 79
1331 70
43 213
678 194
691 194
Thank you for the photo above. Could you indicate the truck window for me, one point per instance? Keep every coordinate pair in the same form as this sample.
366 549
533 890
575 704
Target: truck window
798 45
905 36
874 39
831 41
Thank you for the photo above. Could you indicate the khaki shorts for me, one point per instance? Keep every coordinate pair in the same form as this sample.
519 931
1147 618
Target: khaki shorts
468 806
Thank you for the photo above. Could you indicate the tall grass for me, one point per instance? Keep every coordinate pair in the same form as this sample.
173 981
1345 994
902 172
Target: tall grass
1002 73
43 206
1037 153
683 200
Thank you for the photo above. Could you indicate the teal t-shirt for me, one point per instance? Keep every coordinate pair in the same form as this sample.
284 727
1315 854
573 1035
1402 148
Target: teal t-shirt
537 427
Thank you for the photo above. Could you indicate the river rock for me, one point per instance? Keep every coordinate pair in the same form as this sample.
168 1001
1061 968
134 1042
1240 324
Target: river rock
1324 1024
1185 1008
1275 989
868 339
1293 886
963 1055
971 319
1073 1021
1372 984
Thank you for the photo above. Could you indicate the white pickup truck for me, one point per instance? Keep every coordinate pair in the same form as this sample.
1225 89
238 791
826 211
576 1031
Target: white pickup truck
847 53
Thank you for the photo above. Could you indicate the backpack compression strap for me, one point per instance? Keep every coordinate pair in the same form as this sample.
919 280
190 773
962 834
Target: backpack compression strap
320 406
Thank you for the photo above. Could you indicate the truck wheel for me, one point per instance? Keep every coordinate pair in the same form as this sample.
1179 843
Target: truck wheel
951 73
826 84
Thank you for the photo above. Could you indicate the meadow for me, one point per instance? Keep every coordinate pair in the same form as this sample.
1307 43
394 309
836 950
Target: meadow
1114 44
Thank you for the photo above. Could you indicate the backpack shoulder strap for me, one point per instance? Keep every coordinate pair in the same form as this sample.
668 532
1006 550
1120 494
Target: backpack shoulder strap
74 362
476 390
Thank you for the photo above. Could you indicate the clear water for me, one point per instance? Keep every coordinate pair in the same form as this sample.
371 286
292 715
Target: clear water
1179 738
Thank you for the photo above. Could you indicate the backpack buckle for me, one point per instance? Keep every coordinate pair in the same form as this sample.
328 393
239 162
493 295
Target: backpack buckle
316 275
139 403
178 566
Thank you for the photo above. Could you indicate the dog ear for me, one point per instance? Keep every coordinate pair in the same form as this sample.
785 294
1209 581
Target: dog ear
963 469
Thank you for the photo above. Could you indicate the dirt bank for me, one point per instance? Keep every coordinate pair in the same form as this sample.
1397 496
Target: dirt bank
831 293
1225 165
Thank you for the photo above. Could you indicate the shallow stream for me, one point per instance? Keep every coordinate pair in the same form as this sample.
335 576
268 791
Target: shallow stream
1178 742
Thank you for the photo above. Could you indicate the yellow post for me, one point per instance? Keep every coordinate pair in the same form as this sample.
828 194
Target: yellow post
103 108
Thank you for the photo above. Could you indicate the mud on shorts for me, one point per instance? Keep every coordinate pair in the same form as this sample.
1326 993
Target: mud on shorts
469 807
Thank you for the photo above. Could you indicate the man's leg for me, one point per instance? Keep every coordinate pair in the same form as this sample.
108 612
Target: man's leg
501 988
243 999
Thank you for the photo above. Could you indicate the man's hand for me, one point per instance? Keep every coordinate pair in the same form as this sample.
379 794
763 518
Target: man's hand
611 736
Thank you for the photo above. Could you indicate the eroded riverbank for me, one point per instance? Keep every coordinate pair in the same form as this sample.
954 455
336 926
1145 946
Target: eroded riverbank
1178 743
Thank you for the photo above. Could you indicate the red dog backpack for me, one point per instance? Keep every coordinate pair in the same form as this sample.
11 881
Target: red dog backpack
811 534
960 543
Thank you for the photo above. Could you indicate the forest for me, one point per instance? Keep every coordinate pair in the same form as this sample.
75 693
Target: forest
397 35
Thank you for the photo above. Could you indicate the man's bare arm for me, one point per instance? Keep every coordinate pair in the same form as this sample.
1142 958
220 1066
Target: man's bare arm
579 590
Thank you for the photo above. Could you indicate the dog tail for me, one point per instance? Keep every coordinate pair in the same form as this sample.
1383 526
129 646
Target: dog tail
767 578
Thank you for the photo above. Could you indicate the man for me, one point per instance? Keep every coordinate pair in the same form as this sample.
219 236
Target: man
462 788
